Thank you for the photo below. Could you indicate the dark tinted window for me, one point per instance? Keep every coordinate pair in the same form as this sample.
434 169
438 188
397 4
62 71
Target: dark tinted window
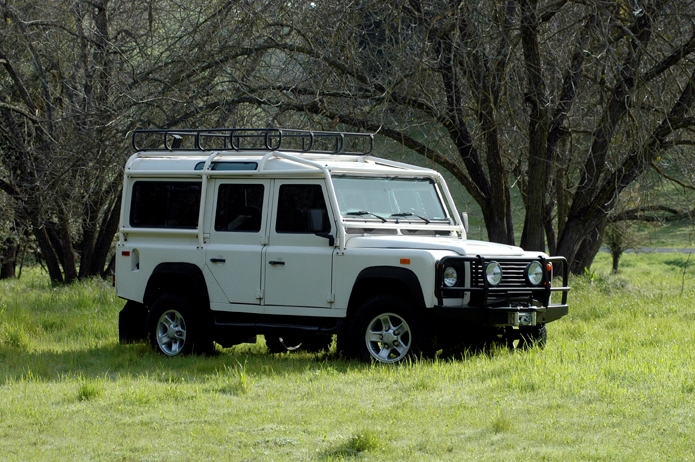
165 204
302 208
239 207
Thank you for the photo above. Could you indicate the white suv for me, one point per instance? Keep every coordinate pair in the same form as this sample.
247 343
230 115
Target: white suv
296 235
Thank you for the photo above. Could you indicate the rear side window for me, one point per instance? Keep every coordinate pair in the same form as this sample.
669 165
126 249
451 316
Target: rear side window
239 207
165 204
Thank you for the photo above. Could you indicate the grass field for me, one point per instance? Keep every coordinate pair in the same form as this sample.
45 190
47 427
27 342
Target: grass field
616 381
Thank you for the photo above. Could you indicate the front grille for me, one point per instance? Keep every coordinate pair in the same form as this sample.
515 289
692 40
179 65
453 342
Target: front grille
512 274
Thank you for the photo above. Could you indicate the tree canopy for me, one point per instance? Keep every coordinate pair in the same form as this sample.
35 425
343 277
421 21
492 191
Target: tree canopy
572 102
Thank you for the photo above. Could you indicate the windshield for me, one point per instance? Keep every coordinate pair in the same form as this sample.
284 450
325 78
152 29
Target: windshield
404 199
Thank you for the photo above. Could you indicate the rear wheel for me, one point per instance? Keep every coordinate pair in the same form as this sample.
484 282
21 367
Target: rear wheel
387 330
175 329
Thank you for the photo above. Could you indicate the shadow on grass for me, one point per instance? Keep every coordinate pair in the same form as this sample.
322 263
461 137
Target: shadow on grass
135 360
681 263
19 361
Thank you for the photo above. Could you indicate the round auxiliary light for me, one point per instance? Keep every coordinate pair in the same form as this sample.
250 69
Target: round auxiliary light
493 273
451 277
534 273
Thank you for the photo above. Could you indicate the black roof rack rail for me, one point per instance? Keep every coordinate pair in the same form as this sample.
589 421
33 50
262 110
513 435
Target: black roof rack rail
254 139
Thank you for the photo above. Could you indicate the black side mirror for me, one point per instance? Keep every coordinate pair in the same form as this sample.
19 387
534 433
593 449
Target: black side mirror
315 217
315 220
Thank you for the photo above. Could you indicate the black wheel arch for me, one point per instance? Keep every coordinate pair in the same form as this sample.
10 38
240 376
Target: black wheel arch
185 279
377 280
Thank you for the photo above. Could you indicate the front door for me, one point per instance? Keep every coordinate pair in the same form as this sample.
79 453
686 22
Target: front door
298 260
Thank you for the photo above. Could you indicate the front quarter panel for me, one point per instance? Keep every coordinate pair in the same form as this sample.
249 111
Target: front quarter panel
347 268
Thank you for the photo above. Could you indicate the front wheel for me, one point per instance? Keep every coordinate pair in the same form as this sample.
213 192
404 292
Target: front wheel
387 330
523 338
534 336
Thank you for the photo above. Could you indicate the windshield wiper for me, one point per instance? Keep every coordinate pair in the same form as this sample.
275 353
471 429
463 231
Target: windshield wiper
410 214
364 212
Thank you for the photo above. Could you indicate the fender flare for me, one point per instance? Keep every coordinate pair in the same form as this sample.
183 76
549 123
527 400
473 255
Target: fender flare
183 278
402 278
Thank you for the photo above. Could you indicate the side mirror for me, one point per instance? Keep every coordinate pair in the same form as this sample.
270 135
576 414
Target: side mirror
316 225
315 220
464 219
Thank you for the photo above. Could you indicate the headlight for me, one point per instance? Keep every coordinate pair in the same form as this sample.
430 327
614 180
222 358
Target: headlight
534 273
493 273
450 276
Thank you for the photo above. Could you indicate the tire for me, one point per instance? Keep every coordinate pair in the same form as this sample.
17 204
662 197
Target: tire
534 336
317 343
132 323
174 328
387 330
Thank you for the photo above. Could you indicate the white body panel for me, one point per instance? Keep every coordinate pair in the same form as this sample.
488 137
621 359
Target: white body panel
139 254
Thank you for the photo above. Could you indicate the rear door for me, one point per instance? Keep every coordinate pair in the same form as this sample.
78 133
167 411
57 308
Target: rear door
234 253
298 260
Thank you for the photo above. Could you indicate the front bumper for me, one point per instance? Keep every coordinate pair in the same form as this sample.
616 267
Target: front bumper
499 316
514 302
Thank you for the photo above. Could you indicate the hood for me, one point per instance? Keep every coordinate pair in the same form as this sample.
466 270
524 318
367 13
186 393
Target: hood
460 246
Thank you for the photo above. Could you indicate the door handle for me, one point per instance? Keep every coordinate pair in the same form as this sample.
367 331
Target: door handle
218 260
280 263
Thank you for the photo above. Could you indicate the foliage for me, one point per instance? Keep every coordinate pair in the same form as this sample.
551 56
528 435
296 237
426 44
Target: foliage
76 77
572 103
615 382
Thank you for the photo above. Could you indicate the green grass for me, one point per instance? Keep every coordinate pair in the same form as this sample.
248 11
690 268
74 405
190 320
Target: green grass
616 381
677 234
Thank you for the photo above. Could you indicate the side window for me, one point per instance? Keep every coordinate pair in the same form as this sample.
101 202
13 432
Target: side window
165 204
302 209
239 207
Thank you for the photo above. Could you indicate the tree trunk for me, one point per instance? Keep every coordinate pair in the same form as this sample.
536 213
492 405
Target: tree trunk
8 259
533 235
588 249
49 255
616 254
549 229
104 241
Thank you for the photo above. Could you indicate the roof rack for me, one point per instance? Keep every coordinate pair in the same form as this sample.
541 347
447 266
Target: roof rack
254 139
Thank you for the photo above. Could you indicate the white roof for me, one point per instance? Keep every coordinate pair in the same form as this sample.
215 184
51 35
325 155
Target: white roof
267 162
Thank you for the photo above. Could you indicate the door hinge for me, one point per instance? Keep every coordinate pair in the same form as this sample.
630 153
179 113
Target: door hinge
330 298
264 240
259 294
